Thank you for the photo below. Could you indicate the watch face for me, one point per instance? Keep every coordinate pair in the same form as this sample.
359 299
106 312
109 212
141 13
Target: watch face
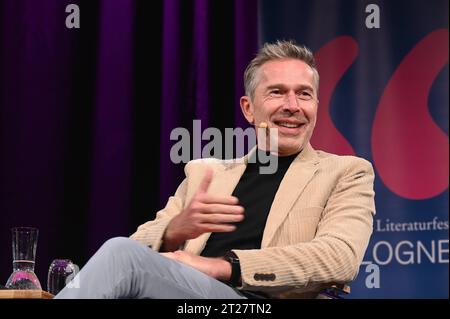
233 259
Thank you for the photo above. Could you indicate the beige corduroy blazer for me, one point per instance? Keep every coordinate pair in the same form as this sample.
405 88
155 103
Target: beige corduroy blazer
317 230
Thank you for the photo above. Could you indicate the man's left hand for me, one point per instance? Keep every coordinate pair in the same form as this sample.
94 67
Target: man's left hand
217 268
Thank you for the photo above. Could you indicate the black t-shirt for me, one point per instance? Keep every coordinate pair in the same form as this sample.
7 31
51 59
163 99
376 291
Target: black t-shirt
255 192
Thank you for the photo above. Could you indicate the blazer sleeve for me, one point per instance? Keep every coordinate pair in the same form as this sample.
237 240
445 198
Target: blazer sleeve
151 233
335 253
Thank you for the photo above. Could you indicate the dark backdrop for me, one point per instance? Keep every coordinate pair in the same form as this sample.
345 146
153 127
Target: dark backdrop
86 114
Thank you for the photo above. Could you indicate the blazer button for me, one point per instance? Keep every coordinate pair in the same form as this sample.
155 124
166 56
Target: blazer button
265 277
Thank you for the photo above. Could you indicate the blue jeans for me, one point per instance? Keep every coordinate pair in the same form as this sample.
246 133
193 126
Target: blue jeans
125 268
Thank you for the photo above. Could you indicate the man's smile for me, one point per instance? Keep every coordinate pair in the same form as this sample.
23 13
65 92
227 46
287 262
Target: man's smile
289 126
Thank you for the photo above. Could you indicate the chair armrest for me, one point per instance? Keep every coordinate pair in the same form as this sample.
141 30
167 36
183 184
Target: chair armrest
337 291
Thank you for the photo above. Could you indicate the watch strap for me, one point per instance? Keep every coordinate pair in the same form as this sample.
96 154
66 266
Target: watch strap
233 259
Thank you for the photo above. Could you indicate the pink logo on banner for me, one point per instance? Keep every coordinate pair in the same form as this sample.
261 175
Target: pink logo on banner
333 60
409 150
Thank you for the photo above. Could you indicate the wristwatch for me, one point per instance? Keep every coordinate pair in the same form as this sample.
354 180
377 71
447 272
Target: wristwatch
233 259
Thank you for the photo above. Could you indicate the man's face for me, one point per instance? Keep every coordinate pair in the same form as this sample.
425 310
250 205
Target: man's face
285 98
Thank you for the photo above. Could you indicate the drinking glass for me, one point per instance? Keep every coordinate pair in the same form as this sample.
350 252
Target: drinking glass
60 273
24 244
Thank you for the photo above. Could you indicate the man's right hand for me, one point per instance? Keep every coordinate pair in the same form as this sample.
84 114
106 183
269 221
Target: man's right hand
205 213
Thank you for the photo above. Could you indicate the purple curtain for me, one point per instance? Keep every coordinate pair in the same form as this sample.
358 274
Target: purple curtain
112 128
223 40
86 114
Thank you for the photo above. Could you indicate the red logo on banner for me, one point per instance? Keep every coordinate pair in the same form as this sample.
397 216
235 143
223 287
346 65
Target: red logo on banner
409 150
333 60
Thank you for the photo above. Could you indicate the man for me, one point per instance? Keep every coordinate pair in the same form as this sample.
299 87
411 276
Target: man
231 232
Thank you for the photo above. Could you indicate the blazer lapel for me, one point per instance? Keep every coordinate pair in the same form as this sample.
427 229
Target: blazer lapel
294 182
223 183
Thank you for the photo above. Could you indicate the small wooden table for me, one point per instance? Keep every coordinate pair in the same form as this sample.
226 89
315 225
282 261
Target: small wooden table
25 294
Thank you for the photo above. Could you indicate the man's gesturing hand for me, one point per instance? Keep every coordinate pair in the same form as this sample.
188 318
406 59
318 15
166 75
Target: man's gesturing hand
205 213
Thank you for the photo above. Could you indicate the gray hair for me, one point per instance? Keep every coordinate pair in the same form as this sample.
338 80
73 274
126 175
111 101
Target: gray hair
277 51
